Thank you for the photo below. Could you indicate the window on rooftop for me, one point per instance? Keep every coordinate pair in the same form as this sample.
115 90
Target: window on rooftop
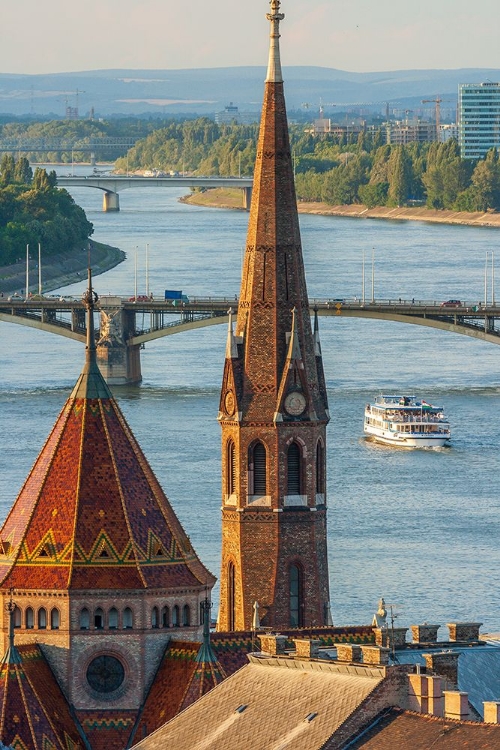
30 618
84 619
186 616
175 617
155 618
99 619
113 618
54 619
165 617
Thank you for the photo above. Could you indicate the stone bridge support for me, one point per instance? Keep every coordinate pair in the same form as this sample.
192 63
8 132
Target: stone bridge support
110 201
247 197
119 362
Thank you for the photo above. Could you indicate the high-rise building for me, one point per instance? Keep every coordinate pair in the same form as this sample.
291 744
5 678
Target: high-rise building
478 118
273 407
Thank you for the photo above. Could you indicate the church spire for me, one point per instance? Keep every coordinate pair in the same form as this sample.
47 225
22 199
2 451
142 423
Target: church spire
274 65
273 408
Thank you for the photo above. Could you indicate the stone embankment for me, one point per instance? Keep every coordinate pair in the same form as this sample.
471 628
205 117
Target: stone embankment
219 198
65 269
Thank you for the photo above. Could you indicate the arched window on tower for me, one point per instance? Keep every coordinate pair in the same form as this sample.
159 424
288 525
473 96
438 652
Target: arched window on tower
30 618
42 618
165 617
128 621
17 617
113 618
175 617
258 466
294 472
231 595
230 468
84 619
320 469
296 596
99 619
54 619
186 616
155 618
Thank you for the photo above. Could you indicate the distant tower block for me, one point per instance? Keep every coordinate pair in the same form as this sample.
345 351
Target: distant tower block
273 408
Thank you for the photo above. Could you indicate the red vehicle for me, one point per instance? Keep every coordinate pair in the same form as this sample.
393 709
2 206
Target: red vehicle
451 303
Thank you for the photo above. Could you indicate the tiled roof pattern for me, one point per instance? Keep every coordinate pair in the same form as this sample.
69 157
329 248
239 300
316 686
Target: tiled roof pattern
107 730
92 514
169 686
34 711
404 729
277 700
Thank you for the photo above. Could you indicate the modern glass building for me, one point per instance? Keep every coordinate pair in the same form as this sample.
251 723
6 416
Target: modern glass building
478 118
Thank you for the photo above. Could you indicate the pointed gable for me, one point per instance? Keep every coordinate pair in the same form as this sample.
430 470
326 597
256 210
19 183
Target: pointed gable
91 505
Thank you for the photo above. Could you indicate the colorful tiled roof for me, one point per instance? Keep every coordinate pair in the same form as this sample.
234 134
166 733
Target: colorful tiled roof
91 513
34 712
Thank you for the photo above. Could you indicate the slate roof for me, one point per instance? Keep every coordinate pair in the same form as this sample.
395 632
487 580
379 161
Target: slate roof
91 514
33 710
277 695
478 671
405 729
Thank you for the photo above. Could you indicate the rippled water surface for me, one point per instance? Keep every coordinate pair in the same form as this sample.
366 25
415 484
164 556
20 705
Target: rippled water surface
420 528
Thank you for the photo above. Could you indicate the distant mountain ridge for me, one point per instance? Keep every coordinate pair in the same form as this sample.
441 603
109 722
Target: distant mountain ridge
209 90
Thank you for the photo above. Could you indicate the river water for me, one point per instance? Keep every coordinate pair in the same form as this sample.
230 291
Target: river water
420 528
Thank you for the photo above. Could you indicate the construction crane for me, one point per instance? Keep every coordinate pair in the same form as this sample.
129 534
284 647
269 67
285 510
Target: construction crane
437 101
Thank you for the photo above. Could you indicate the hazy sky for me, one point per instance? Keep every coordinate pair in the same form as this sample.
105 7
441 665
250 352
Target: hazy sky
52 36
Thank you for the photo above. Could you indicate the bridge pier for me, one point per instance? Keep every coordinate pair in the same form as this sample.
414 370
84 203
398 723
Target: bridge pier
118 361
119 365
110 202
247 197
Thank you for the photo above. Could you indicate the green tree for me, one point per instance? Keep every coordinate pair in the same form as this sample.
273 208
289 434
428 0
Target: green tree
400 176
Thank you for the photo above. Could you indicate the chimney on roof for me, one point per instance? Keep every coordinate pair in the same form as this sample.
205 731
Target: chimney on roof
386 637
424 633
491 712
306 648
444 663
375 656
464 631
348 652
456 705
273 644
425 694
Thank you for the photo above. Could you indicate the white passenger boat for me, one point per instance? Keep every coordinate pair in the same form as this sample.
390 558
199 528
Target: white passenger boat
406 422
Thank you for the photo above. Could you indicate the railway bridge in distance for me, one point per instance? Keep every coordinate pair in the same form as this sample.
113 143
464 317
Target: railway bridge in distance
125 324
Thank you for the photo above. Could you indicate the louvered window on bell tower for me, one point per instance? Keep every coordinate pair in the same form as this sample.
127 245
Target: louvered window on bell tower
296 597
293 470
320 469
259 470
231 468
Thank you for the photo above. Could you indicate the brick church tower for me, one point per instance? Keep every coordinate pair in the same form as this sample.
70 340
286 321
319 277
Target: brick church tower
273 408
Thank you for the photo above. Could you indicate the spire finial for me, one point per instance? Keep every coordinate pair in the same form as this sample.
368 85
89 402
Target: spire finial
274 68
89 300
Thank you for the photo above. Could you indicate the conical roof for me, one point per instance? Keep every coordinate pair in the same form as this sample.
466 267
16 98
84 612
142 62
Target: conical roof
26 721
91 514
208 672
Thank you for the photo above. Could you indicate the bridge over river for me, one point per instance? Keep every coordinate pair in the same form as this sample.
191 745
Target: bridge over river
113 184
127 324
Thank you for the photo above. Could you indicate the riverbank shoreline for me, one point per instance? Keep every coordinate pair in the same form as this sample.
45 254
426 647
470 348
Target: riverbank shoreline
63 270
231 199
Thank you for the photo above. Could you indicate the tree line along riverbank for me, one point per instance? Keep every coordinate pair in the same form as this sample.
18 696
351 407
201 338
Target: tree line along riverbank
61 270
231 198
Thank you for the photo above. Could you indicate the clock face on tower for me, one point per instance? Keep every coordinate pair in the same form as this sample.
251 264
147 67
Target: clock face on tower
295 404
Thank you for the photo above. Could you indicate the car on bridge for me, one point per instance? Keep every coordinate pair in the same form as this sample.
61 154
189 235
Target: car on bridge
451 303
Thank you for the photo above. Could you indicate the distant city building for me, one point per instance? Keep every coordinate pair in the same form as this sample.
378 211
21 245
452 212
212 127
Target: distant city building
447 132
232 115
399 133
478 119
